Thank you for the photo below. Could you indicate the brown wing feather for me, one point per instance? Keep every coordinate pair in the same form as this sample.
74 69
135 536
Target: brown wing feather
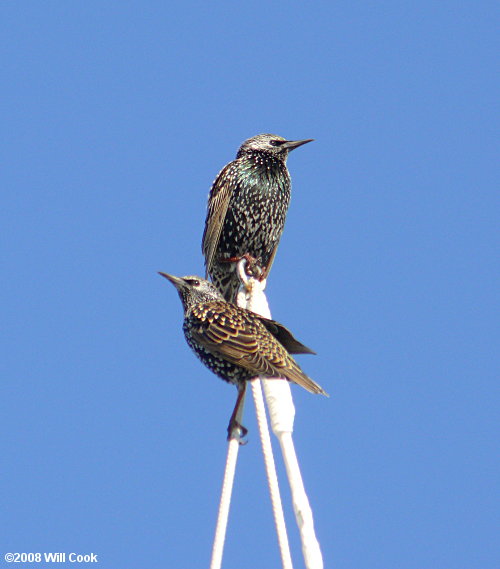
218 202
249 345
233 341
241 350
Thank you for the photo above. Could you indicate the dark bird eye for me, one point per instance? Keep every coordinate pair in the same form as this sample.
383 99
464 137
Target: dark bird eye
276 142
194 282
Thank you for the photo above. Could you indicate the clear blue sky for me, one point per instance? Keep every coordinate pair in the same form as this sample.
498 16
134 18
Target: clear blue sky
116 117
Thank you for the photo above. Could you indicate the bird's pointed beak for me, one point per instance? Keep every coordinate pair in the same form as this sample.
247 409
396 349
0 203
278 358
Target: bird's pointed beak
292 144
176 281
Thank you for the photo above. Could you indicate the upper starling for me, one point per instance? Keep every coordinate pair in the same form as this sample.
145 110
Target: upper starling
246 210
235 343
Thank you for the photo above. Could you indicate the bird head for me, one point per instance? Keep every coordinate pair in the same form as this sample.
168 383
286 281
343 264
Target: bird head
193 289
271 144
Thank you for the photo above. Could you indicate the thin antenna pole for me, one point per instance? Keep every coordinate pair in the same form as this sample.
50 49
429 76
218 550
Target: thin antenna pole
303 513
225 501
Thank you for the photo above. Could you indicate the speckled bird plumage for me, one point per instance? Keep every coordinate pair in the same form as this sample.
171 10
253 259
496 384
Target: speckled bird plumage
246 211
234 343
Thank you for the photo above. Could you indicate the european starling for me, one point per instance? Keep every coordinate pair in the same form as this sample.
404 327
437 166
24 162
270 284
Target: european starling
246 210
237 344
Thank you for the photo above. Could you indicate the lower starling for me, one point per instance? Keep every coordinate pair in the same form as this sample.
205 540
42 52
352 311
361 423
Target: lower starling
237 344
246 211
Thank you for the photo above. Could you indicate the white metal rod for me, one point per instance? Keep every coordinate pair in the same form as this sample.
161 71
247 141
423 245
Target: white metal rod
225 501
303 513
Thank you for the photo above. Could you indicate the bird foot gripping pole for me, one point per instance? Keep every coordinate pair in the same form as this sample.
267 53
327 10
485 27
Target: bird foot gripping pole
282 414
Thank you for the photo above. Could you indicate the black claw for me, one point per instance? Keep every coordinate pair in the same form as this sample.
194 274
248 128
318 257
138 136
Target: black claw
253 268
237 431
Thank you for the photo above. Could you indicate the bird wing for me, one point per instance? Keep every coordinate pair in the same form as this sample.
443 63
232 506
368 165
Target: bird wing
218 202
242 343
285 337
236 343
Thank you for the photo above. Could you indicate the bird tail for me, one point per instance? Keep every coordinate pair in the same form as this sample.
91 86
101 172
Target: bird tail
300 378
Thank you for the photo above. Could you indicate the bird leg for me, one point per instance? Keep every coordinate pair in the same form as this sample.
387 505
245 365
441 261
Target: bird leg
252 267
235 429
